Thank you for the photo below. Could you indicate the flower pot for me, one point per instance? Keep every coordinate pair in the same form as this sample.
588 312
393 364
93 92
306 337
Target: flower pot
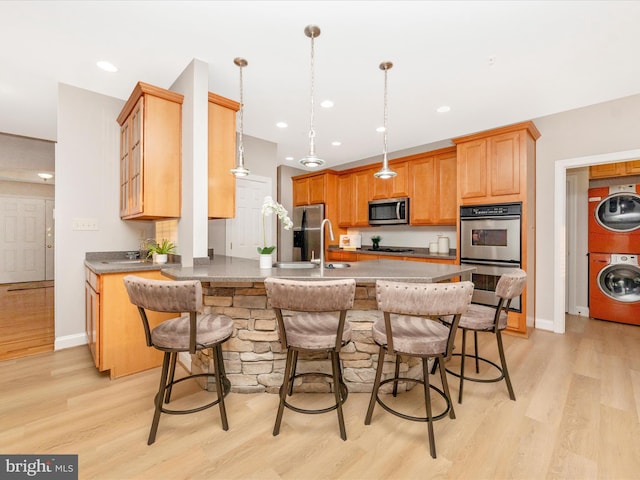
160 258
266 260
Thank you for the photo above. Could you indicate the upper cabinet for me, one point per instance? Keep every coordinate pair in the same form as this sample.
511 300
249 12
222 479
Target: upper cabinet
619 169
397 186
346 195
493 166
432 188
308 190
222 156
150 154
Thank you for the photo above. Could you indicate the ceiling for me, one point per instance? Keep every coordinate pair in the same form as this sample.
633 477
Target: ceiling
493 63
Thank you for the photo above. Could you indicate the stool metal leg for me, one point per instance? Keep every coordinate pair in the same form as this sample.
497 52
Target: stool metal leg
293 371
218 369
283 391
445 387
172 372
427 401
158 399
462 362
376 386
503 361
475 343
396 375
335 366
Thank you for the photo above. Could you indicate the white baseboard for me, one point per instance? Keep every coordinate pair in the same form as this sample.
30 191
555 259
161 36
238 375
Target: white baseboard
543 324
69 341
582 311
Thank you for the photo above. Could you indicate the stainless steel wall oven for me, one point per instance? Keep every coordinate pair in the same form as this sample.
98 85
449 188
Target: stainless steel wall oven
491 241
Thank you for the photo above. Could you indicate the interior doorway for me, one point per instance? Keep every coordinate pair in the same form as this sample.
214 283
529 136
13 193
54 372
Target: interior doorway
560 224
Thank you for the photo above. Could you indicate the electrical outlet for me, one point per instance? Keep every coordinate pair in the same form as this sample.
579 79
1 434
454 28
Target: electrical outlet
85 224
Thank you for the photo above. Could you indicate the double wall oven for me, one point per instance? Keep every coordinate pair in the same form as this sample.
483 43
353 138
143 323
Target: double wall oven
491 241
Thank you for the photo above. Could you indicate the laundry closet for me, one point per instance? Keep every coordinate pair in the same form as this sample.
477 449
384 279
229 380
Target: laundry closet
614 242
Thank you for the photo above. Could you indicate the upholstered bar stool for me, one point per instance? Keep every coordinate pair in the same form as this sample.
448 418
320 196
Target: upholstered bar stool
410 327
311 317
189 332
481 318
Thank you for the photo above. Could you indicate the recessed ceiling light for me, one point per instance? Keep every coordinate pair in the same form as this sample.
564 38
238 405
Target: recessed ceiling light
443 109
281 125
336 144
107 66
380 129
289 158
326 104
45 176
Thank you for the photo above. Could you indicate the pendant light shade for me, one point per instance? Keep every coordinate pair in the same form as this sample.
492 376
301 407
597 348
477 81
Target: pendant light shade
385 171
312 160
240 170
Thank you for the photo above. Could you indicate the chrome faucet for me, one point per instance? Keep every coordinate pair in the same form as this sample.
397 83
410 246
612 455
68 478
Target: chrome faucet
326 220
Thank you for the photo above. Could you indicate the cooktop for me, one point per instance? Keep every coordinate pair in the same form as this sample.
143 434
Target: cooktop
393 250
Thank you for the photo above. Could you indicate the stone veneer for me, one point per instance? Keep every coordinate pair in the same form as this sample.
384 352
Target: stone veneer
254 359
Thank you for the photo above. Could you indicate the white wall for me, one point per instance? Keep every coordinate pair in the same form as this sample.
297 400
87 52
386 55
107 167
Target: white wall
603 128
87 186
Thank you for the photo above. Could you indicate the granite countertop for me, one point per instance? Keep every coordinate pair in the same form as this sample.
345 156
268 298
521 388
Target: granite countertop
232 269
117 262
415 252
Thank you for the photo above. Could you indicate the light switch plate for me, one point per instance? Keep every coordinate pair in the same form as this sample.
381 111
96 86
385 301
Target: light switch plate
85 224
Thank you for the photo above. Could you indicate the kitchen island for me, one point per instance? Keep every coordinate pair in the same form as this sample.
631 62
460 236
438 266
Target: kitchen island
253 357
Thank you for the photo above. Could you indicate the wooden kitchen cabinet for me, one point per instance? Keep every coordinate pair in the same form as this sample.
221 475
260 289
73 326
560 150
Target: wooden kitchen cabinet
342 256
150 154
618 169
498 166
309 190
221 156
346 194
493 166
361 187
395 187
114 329
432 188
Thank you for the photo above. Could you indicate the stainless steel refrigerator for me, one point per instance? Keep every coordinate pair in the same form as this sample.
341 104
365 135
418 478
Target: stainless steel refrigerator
306 231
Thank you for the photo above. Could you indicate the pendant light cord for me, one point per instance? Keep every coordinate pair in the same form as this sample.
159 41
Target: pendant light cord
240 144
312 132
386 117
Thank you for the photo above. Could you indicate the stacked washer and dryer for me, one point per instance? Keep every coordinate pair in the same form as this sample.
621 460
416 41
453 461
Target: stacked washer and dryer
614 249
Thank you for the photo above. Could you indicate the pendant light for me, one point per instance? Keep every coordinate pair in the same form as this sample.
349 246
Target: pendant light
240 170
311 160
385 171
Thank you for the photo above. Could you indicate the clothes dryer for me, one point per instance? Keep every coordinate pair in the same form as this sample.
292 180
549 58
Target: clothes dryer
614 219
614 287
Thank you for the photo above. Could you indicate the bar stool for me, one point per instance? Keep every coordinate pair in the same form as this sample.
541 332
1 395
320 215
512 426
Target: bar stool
190 332
407 329
481 318
315 322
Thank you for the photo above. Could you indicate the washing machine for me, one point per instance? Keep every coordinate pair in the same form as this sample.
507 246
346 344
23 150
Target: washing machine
614 287
614 219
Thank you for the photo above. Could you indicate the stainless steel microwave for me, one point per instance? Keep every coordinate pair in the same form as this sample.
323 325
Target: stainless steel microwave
390 211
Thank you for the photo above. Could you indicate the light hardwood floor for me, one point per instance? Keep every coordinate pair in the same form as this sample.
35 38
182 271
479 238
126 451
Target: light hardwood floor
26 319
576 417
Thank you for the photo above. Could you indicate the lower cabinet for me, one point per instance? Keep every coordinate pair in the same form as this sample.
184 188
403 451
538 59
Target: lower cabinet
114 329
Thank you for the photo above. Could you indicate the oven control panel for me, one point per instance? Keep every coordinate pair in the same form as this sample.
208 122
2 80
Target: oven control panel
491 210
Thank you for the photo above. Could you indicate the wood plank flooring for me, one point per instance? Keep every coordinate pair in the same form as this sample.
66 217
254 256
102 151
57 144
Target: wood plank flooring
26 319
576 417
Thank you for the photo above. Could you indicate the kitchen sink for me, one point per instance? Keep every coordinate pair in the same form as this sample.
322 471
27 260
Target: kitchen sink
125 261
295 265
336 265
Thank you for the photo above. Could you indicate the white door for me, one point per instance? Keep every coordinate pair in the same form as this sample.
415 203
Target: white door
22 239
50 239
244 232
